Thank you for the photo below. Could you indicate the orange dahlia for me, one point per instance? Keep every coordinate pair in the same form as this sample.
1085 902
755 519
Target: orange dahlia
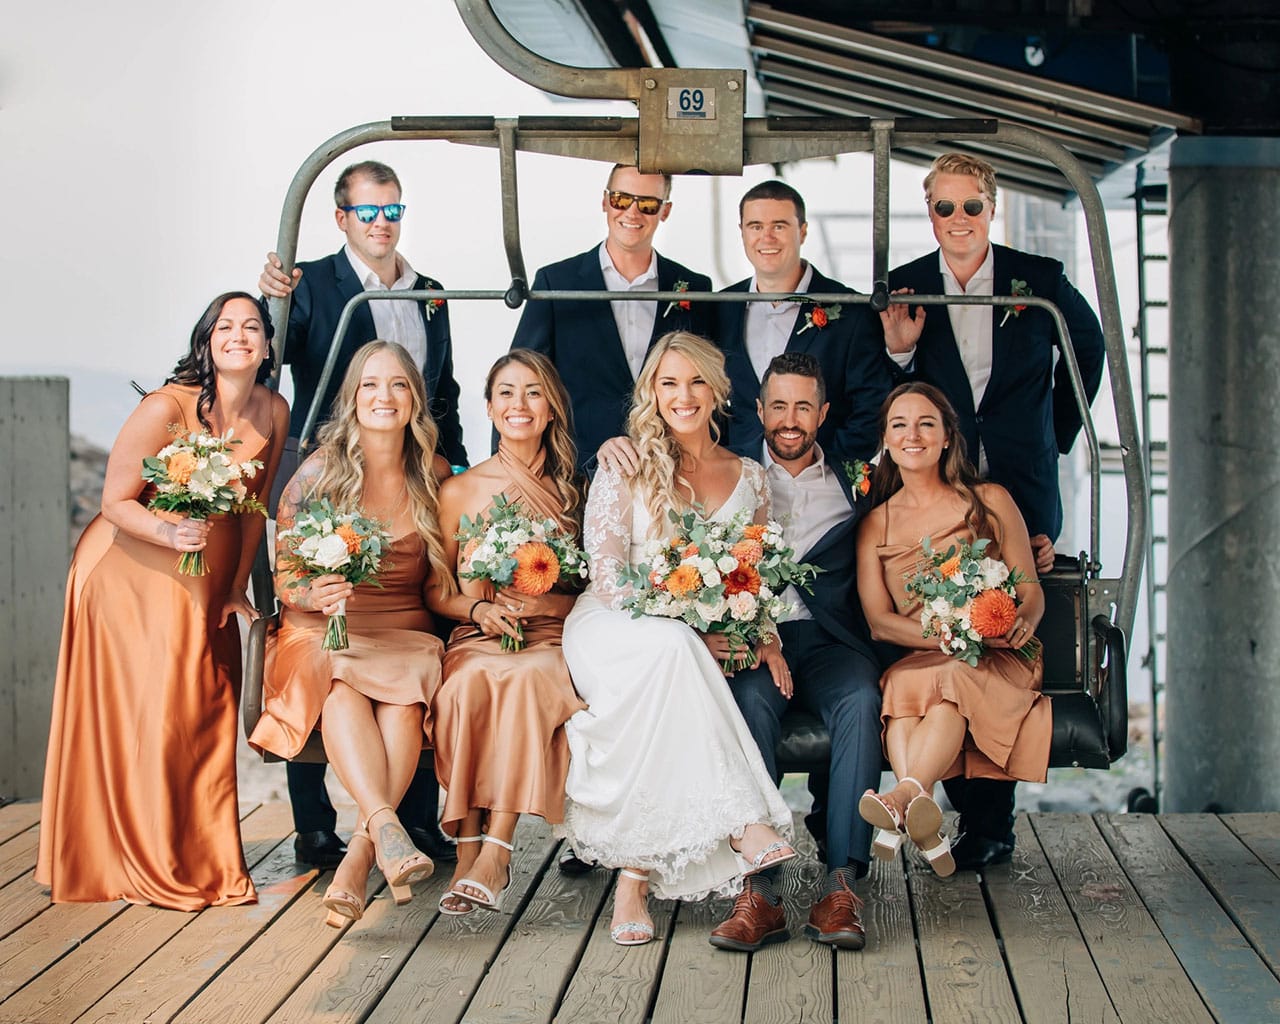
181 466
347 532
742 578
469 550
537 568
684 580
753 531
993 613
747 551
950 567
690 551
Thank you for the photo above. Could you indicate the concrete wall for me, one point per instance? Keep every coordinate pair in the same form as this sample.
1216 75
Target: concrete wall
34 552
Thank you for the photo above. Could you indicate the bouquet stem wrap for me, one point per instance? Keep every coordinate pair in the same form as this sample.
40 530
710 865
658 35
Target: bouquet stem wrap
335 633
192 563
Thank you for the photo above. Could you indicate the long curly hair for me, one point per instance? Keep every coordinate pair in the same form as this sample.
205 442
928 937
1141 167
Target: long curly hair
562 453
342 477
195 369
954 468
658 453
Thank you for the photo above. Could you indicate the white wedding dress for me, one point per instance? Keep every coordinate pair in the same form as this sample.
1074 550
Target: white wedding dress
662 769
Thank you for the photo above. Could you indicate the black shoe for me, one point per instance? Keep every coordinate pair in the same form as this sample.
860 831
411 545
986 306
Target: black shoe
573 865
434 843
322 849
973 852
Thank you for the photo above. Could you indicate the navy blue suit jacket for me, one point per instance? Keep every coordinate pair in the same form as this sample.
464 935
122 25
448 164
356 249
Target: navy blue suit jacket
318 300
1028 413
581 339
850 352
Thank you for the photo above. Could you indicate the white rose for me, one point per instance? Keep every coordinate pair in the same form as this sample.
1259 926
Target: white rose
993 573
940 607
307 549
713 609
331 552
712 578
742 606
726 563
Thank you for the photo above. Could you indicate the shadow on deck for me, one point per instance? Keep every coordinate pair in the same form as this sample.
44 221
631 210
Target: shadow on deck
1120 918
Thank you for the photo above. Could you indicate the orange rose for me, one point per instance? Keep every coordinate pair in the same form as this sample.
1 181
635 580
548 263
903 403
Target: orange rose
950 567
864 485
690 551
348 533
685 580
747 551
537 568
993 613
819 317
181 466
742 578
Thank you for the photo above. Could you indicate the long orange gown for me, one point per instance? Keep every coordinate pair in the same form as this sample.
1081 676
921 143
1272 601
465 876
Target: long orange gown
140 783
1010 720
394 658
499 715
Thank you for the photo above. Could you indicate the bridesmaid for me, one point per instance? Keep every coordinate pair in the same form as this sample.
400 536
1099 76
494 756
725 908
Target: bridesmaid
500 746
375 454
140 783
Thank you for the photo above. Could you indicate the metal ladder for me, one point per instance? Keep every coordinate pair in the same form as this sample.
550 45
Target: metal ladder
1151 205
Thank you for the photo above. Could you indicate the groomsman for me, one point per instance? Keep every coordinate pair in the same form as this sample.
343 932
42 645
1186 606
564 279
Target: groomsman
998 366
598 347
825 642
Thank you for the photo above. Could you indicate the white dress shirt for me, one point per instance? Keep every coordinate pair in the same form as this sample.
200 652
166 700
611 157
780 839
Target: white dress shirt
400 322
767 326
807 505
634 319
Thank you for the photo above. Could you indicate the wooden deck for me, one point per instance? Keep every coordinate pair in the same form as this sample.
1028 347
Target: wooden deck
1113 918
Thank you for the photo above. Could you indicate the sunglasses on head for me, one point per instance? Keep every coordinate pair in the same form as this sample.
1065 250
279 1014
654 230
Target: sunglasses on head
367 213
946 207
648 205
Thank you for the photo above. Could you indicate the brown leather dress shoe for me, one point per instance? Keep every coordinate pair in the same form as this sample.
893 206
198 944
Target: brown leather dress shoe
753 923
836 919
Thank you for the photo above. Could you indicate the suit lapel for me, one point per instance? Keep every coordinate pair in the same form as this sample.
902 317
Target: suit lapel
349 286
600 315
944 354
1003 339
801 339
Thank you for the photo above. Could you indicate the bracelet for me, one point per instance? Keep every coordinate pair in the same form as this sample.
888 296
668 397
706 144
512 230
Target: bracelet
472 614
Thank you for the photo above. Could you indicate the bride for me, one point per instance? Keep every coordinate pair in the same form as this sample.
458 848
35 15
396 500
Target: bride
664 779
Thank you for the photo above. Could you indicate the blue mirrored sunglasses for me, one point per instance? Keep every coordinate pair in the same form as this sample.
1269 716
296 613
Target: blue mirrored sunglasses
367 213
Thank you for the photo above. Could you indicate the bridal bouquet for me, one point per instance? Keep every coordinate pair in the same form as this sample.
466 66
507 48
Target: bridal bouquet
514 549
324 541
968 599
196 476
718 578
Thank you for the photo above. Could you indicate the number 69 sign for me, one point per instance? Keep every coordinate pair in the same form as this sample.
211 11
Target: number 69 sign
685 103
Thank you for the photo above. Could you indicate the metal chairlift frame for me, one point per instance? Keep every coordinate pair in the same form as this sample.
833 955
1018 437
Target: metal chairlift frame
1091 715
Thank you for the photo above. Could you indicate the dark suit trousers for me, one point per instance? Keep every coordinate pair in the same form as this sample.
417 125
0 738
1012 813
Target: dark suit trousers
842 687
313 812
985 806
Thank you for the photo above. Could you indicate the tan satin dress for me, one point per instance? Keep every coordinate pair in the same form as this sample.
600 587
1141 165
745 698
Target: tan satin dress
1010 720
140 783
393 657
499 715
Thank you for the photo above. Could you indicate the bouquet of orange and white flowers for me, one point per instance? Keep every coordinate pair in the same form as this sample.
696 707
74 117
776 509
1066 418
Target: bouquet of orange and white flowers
513 549
968 599
196 476
323 541
718 578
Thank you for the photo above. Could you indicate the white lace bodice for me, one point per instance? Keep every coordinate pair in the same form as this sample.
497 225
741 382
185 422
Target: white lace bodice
616 525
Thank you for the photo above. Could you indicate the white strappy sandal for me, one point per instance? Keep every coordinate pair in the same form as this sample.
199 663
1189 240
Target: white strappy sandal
487 900
888 825
642 928
451 895
924 824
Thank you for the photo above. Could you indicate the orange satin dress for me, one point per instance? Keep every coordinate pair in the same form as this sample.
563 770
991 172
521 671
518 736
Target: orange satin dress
394 658
1010 720
140 783
499 715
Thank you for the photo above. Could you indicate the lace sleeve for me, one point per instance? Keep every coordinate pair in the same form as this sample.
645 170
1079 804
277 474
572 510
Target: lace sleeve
606 534
754 476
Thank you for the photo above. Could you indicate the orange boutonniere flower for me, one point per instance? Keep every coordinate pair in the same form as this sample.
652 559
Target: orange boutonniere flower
819 317
685 304
1015 288
431 305
858 474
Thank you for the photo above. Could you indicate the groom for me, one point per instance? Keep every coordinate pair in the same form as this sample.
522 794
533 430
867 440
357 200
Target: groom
825 642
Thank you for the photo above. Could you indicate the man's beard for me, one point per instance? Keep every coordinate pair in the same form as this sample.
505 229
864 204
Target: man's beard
803 445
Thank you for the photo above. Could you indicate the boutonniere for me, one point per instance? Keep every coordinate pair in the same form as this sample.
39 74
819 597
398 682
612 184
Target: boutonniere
858 473
685 304
1016 288
431 305
819 317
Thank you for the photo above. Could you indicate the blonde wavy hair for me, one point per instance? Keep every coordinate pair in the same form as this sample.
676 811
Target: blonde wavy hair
962 163
658 479
341 478
562 454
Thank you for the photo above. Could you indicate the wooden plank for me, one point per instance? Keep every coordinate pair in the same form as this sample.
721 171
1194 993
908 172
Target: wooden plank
18 855
964 974
18 817
1242 884
542 951
1259 832
35 946
792 981
20 901
78 980
1233 982
1141 973
617 983
440 976
1048 961
882 983
700 984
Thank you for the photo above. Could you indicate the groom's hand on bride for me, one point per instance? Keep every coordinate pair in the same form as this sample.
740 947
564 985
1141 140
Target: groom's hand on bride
619 455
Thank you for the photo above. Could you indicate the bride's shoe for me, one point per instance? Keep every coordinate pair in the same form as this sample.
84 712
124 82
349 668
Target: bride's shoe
449 902
924 825
642 928
345 907
486 900
400 862
761 861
